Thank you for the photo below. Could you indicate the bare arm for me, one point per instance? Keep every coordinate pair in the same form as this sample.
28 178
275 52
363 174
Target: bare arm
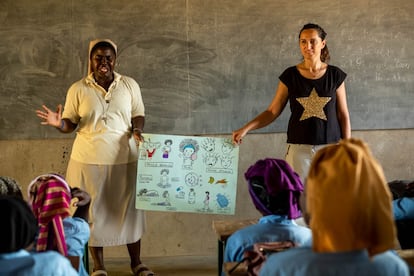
53 118
138 123
266 117
342 112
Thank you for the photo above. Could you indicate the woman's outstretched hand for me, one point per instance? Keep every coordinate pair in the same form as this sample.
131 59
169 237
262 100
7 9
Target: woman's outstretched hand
238 135
50 117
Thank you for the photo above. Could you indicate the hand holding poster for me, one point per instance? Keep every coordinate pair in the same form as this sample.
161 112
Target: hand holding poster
187 174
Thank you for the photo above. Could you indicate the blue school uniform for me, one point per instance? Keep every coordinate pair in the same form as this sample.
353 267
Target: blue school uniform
403 208
305 262
77 234
269 228
23 263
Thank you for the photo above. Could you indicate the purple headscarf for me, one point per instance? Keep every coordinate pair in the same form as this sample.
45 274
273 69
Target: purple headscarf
277 177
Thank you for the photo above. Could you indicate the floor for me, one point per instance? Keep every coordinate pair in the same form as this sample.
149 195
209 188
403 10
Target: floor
166 266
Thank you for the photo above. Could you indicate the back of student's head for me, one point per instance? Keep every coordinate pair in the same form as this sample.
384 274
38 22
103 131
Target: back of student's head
50 197
10 187
45 188
274 188
348 200
19 226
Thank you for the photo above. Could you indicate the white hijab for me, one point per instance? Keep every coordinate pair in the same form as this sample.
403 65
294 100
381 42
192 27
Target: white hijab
92 44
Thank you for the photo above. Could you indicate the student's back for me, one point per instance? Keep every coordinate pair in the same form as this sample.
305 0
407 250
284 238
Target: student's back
275 190
270 228
302 261
23 263
348 207
69 233
17 234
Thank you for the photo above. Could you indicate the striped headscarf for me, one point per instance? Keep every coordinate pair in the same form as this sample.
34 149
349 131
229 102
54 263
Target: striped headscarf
348 200
50 199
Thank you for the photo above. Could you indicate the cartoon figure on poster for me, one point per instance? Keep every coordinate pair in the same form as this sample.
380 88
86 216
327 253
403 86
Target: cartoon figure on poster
187 174
227 147
148 193
166 200
150 148
188 149
206 202
226 161
208 145
211 159
166 196
191 196
166 149
164 179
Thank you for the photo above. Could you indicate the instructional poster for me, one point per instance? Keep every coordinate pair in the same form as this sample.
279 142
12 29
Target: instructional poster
187 174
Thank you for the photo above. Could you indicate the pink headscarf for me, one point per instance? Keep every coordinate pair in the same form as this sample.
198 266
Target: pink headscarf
50 199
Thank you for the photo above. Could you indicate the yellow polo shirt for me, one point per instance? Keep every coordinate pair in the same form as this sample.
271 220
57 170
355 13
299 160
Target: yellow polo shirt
104 118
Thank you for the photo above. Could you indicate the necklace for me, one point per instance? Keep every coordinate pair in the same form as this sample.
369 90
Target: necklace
104 117
105 105
106 101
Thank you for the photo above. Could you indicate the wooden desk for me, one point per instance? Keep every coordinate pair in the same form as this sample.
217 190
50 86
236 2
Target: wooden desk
223 229
241 269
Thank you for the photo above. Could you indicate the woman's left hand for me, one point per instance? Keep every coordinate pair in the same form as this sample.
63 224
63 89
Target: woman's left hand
138 135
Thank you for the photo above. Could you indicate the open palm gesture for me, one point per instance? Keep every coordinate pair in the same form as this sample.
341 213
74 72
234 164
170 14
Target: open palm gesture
50 117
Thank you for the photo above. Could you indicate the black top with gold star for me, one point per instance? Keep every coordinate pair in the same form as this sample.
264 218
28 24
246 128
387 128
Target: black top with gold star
313 119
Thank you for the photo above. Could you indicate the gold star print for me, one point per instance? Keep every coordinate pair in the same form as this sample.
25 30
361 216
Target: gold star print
313 106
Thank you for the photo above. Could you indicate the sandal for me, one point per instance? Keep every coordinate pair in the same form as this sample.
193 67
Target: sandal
99 272
142 270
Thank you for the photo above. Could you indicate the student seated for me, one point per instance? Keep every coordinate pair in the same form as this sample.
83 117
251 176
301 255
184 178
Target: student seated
348 206
403 203
57 229
17 235
275 190
403 209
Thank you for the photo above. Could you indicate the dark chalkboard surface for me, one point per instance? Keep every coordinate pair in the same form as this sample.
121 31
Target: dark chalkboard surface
204 67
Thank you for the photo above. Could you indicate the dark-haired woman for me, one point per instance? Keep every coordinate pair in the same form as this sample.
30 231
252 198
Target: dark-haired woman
317 97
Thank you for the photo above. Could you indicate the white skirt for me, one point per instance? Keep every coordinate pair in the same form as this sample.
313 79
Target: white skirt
112 215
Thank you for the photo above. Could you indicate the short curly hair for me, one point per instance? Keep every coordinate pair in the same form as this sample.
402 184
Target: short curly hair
10 187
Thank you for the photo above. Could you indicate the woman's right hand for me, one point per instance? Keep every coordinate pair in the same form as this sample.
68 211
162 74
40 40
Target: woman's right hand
238 135
50 117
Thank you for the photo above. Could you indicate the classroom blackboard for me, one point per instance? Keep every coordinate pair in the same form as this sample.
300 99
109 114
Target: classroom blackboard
204 66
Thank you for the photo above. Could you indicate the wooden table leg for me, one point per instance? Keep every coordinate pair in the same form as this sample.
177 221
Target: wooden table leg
220 256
